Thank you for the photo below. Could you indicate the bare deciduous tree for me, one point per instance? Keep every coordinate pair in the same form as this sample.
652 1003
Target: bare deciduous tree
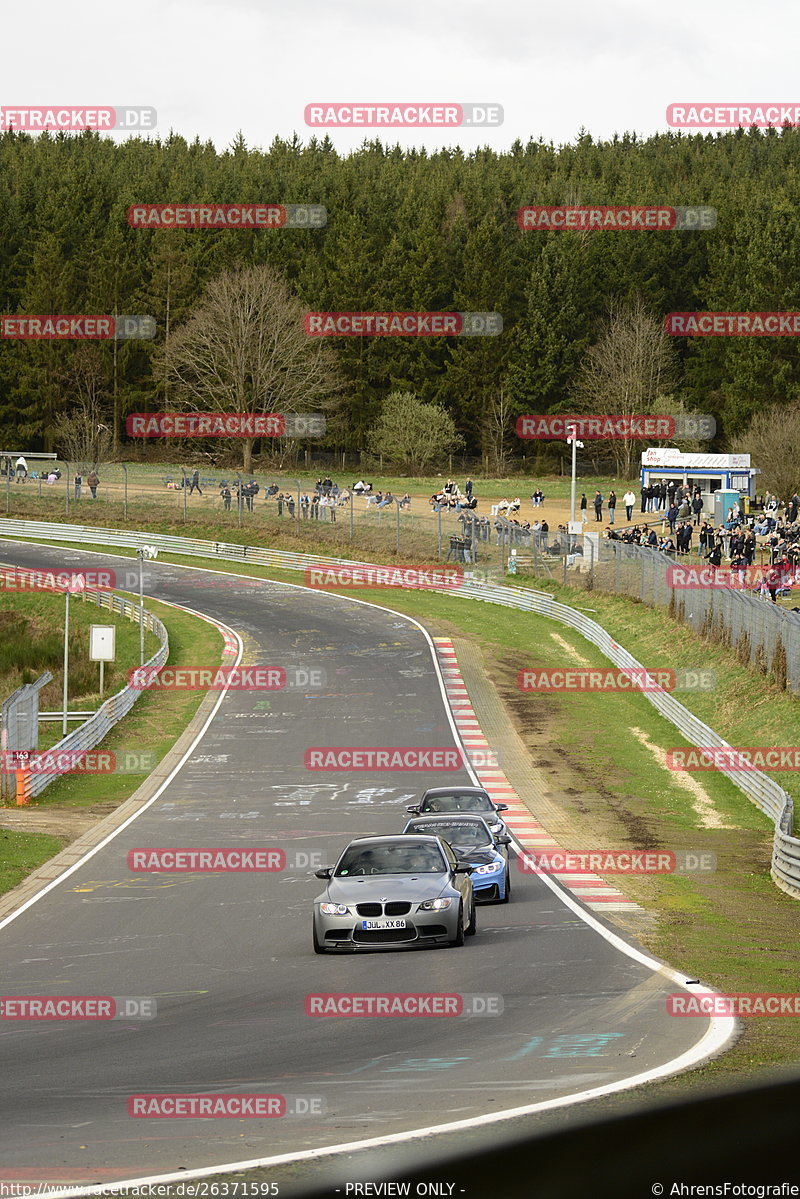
82 437
770 440
497 434
629 372
245 350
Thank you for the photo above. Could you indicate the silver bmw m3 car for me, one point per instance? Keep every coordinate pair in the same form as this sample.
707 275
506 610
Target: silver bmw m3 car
394 891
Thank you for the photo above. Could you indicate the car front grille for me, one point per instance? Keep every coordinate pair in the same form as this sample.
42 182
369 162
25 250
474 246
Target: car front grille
377 909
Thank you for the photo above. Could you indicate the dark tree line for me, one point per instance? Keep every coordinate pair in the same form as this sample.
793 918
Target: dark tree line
407 230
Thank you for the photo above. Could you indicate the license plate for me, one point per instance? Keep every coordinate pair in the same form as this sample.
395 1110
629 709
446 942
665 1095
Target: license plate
368 925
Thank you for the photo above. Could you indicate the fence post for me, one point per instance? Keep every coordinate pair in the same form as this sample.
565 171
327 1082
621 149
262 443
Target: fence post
641 582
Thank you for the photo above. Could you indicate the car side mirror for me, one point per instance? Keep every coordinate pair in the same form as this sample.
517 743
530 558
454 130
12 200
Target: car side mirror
459 869
501 807
414 809
325 872
503 840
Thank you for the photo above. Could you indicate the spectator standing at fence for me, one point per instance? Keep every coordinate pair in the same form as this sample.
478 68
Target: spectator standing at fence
93 480
195 483
78 483
584 507
226 497
21 467
280 503
684 538
315 506
468 488
290 506
714 555
629 499
643 496
598 506
612 506
304 502
697 507
672 516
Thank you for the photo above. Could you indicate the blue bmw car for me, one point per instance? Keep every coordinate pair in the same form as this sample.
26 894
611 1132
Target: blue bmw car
475 846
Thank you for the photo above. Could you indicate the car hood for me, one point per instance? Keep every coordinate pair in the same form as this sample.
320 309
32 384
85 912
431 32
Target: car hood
475 857
373 887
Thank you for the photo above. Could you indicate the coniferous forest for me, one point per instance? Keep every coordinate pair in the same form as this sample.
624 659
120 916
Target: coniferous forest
407 231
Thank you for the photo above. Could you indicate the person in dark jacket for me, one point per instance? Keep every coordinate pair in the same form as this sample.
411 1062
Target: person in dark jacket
672 516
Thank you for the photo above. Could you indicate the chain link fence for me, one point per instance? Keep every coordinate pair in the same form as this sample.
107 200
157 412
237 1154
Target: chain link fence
764 634
19 729
254 506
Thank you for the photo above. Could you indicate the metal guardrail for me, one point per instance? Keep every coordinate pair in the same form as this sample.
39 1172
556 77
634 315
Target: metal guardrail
766 794
92 731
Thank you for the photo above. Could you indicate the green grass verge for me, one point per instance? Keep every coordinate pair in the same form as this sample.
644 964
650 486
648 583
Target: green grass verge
21 853
32 641
154 723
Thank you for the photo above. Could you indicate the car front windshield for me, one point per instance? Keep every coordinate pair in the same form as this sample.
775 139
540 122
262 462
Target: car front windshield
459 803
457 832
359 860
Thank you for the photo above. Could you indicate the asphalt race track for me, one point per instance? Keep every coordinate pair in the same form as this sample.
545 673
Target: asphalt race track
228 956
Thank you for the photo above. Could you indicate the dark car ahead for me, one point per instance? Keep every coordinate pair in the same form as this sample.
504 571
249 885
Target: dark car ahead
471 840
473 800
392 891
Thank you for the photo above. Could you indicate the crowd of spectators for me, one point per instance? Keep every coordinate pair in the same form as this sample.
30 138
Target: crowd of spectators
735 543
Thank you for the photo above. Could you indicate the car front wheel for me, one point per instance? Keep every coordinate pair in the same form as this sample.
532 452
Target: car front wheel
459 937
472 927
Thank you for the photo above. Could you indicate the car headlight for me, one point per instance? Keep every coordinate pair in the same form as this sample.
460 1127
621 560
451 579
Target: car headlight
490 868
435 905
334 909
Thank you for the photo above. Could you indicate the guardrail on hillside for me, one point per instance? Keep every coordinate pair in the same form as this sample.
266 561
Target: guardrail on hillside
766 794
92 731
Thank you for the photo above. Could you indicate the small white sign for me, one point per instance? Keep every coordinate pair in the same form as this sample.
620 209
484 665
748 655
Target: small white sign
102 642
575 526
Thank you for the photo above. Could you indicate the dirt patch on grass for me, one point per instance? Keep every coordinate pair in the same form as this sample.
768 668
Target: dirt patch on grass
707 814
66 823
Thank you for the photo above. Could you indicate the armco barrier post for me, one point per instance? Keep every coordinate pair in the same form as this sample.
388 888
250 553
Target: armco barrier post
22 782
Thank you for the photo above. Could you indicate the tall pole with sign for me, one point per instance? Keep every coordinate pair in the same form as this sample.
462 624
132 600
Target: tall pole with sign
77 583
